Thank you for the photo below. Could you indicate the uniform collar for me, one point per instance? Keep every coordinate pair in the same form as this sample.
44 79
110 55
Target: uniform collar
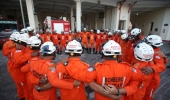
110 61
74 59
157 49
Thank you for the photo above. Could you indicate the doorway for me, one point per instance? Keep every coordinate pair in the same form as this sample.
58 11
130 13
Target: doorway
151 27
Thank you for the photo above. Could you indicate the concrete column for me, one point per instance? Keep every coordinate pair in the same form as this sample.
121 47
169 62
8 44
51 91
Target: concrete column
30 11
36 21
96 20
78 15
71 17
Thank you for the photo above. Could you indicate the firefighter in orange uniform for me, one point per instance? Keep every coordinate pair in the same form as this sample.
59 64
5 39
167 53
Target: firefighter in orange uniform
8 47
62 41
135 36
70 37
92 41
144 56
160 60
98 38
46 68
30 31
55 38
20 57
105 36
123 44
115 37
110 36
47 36
41 35
34 44
84 36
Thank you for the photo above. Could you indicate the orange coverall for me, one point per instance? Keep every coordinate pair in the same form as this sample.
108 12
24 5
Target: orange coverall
115 37
62 41
55 38
117 74
158 68
69 37
77 93
92 40
109 72
6 51
47 37
98 42
145 79
123 45
104 37
42 36
20 58
85 39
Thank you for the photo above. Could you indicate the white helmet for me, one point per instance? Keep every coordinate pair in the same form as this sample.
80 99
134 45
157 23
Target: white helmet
23 38
34 41
30 28
143 52
115 31
47 48
107 30
124 36
91 30
14 36
123 31
111 48
23 31
135 32
98 31
118 31
74 47
110 33
154 40
69 31
84 29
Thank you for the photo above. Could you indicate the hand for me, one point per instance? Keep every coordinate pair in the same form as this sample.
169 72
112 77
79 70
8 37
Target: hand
77 83
162 54
110 89
43 80
147 70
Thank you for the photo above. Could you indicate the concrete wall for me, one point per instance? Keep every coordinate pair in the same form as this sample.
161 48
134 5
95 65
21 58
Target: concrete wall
159 18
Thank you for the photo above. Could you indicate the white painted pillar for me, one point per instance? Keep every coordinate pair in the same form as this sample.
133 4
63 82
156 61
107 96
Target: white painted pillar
72 18
36 21
78 15
96 20
30 11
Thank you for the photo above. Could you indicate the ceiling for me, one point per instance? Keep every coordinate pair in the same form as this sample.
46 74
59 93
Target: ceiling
141 6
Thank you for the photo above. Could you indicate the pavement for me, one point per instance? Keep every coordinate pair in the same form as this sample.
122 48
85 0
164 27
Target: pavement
8 89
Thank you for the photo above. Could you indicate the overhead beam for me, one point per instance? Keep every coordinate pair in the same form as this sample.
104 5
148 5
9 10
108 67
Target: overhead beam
103 2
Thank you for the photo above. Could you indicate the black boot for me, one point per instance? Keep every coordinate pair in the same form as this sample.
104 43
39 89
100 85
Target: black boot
86 50
60 52
89 51
22 99
94 50
100 52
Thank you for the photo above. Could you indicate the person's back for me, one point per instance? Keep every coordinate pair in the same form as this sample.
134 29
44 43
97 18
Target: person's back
77 93
40 69
110 72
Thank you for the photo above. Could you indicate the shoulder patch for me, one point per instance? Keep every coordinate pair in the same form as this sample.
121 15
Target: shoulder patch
90 69
157 57
17 51
136 65
53 69
134 70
